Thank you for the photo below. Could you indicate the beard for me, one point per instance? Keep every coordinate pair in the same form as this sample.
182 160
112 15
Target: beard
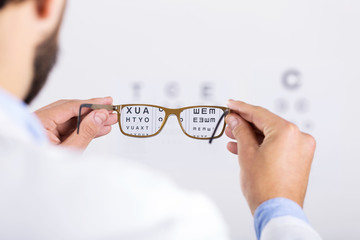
45 59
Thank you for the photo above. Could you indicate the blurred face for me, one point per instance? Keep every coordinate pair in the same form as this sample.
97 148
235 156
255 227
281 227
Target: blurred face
45 59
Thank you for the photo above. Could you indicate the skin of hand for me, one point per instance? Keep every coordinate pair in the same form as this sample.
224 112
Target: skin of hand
59 120
275 157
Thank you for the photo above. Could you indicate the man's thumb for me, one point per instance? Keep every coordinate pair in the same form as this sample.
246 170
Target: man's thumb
89 128
243 133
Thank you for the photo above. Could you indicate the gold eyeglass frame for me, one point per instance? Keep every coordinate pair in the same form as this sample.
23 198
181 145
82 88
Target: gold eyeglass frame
168 112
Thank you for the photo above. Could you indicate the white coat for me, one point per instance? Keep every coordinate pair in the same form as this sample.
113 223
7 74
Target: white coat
51 193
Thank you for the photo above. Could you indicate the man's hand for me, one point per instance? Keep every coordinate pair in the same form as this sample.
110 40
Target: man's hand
274 155
59 120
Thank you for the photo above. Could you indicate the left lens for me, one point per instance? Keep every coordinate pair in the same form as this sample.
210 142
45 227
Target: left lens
200 122
141 120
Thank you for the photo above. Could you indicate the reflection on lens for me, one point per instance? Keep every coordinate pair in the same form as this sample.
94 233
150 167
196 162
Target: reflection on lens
141 120
200 122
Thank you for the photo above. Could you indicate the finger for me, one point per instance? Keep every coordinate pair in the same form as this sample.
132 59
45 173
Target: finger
63 101
89 129
54 104
232 147
66 129
104 131
70 109
69 126
53 138
244 135
259 135
263 119
228 132
113 118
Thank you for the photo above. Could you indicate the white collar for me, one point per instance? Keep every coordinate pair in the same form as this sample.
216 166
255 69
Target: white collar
16 120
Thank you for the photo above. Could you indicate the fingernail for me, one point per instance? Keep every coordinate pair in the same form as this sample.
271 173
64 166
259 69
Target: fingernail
100 118
232 121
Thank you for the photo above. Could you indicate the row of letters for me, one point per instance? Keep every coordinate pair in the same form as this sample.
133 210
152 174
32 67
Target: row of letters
137 110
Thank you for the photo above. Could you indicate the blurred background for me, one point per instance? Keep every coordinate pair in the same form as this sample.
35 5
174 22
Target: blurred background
299 59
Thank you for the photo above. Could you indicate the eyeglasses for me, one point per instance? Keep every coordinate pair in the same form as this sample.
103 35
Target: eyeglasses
143 120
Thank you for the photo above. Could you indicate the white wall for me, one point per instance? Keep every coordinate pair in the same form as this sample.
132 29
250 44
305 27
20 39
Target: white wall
235 49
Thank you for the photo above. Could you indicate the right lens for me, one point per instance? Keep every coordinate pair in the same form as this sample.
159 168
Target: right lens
141 120
200 122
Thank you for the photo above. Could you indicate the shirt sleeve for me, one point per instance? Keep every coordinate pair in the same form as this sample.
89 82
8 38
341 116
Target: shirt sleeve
281 216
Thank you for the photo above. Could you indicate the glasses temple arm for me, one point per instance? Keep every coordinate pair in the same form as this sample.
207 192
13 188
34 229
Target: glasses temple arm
218 124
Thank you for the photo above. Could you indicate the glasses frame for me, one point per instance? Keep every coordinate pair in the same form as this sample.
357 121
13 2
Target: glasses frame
168 112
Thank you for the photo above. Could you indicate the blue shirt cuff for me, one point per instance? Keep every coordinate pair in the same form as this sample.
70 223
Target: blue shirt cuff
273 208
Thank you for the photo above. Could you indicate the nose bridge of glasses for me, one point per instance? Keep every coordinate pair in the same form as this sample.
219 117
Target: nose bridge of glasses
172 111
